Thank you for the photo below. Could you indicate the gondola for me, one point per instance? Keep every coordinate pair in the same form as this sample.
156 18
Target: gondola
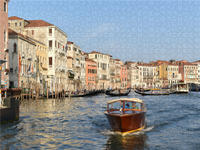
153 92
118 92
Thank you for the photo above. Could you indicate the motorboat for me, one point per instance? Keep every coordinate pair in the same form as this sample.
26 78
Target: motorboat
126 115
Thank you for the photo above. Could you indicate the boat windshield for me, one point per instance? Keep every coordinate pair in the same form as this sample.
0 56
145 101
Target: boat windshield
125 106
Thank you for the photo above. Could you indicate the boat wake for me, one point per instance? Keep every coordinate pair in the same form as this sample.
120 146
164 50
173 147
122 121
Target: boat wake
109 132
147 129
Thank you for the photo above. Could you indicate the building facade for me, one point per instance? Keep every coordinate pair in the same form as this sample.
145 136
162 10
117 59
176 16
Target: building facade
173 75
148 75
4 64
133 73
103 71
91 74
75 53
188 71
55 40
198 70
23 61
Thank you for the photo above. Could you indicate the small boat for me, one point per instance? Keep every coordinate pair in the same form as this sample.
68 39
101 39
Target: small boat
76 94
154 92
180 88
126 115
118 92
194 87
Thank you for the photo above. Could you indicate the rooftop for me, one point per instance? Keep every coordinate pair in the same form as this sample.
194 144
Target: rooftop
14 18
38 23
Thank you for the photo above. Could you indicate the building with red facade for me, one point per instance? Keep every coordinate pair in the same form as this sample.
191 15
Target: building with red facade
4 43
91 74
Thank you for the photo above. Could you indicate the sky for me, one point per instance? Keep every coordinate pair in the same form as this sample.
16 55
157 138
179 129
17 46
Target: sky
130 30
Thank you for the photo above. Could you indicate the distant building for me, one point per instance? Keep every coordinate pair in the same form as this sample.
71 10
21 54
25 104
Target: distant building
75 54
198 69
173 75
123 75
148 75
91 74
133 74
103 70
4 43
113 73
188 71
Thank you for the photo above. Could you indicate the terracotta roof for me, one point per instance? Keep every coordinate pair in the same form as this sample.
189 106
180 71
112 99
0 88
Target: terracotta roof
38 23
130 62
69 42
184 62
145 64
196 62
14 18
12 32
117 59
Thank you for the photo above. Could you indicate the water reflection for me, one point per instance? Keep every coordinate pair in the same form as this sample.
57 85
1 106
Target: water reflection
129 142
79 123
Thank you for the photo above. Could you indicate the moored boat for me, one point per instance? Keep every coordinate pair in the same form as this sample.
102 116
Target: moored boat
126 115
180 88
154 92
118 92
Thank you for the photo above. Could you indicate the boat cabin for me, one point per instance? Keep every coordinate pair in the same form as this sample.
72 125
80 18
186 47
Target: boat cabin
126 106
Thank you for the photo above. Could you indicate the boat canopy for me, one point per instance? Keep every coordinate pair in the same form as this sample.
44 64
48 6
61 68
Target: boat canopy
125 99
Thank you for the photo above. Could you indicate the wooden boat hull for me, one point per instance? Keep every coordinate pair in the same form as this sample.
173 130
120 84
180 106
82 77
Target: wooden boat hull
153 94
126 123
111 93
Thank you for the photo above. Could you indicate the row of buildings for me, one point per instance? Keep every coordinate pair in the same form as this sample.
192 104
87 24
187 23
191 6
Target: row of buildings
37 55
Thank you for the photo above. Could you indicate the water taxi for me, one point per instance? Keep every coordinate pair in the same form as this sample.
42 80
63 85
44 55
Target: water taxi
126 115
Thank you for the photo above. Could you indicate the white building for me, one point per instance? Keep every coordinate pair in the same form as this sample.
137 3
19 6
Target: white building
148 75
173 74
56 41
75 53
22 53
198 70
103 71
134 74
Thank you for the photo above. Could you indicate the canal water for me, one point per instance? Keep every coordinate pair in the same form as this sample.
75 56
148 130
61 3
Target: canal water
173 122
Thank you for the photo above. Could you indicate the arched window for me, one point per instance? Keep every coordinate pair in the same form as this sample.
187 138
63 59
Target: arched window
15 48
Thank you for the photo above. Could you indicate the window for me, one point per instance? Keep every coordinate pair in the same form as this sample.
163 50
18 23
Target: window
4 36
15 48
9 24
16 24
50 62
11 70
11 84
32 32
50 32
5 7
50 43
20 24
